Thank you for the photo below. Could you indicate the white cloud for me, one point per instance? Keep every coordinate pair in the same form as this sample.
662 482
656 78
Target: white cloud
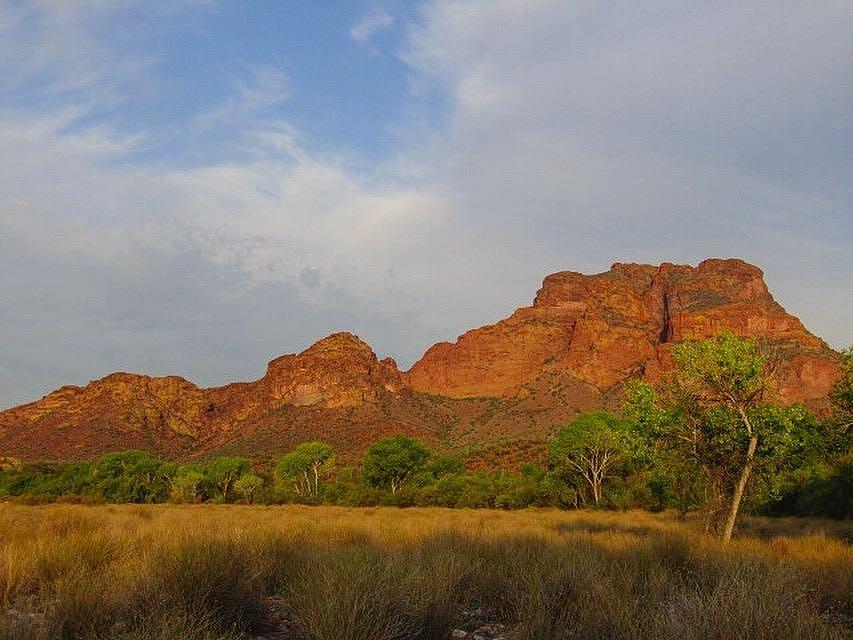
371 23
263 87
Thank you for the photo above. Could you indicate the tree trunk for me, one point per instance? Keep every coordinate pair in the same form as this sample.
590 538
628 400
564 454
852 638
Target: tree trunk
740 488
316 479
717 509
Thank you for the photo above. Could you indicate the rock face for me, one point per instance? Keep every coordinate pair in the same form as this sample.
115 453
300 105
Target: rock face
606 328
570 351
338 371
124 410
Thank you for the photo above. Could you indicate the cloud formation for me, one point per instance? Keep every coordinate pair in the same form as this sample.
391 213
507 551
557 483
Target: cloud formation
373 21
263 88
572 135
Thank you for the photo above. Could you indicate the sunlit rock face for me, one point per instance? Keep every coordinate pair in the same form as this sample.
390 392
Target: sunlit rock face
605 328
338 371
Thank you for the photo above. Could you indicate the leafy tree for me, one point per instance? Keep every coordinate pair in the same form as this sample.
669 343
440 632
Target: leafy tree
392 461
74 479
514 491
825 490
443 466
444 492
557 492
478 492
590 448
17 482
819 484
842 397
686 470
696 450
224 472
130 476
305 466
247 485
725 378
47 481
189 483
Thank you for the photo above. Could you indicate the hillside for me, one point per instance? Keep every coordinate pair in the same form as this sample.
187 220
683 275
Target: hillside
492 395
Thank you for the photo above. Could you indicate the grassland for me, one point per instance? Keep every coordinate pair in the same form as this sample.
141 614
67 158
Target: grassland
167 572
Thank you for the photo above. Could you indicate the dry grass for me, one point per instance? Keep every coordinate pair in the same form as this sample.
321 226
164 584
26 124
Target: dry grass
204 572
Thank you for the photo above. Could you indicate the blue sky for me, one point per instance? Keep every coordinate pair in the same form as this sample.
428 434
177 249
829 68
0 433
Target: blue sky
329 69
195 187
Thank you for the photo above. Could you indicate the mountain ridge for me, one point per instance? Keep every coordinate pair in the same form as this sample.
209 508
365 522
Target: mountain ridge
582 337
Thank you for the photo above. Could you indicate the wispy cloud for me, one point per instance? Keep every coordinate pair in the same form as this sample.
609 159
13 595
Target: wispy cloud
262 88
371 23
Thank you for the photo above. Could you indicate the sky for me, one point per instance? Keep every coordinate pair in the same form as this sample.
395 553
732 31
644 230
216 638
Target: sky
194 187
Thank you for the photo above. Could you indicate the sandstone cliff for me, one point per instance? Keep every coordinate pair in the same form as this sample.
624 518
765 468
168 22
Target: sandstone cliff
603 329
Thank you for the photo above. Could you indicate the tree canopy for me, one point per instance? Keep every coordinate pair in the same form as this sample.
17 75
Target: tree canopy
305 466
590 447
720 384
392 461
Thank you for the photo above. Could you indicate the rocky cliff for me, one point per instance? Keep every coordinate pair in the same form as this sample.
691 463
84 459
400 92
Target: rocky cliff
522 377
606 328
124 410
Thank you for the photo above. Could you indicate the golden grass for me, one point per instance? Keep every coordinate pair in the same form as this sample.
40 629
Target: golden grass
220 571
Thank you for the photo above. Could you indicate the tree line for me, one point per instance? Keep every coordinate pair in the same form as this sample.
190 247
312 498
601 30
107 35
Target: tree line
708 439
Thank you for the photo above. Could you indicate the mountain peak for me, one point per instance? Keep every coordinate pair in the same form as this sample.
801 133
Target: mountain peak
340 343
339 370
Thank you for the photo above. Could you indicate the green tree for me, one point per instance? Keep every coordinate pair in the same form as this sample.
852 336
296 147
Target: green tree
443 466
820 484
686 470
247 485
189 483
392 461
223 472
130 476
590 448
305 466
842 393
727 376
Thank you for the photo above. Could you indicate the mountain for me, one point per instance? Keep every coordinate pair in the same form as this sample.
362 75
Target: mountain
493 395
603 329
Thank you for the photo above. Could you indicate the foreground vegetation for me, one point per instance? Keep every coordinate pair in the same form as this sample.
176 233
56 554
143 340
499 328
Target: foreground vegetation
166 572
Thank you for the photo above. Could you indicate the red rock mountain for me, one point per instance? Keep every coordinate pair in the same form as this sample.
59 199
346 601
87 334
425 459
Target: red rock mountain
496 392
606 328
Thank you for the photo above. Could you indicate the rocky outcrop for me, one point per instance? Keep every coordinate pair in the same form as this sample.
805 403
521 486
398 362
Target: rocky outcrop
606 328
338 371
124 410
133 401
